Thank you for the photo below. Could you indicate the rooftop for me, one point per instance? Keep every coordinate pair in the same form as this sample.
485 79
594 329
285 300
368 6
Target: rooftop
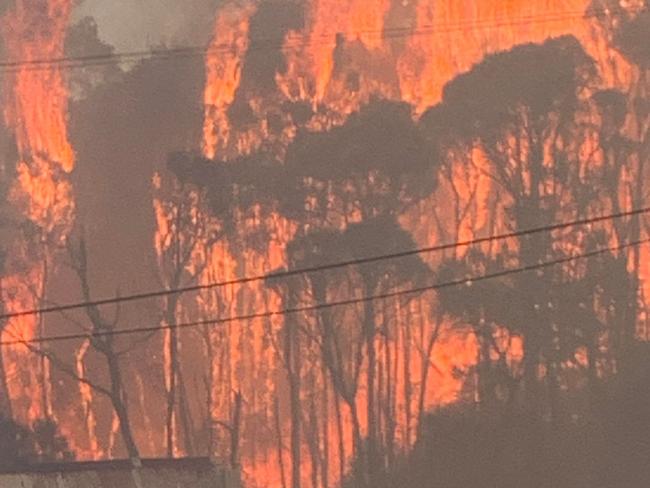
124 473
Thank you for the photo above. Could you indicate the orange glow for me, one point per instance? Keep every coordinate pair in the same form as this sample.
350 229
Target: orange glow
354 20
86 393
450 38
223 72
37 107
340 59
35 104
345 40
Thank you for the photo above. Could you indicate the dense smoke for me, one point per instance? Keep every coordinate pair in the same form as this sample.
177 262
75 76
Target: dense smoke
133 26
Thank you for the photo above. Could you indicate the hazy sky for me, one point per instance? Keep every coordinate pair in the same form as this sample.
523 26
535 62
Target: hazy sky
139 24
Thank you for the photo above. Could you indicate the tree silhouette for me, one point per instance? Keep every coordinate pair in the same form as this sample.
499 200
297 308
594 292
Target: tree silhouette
632 37
367 172
625 137
525 139
7 229
343 189
356 184
50 444
521 109
15 445
21 446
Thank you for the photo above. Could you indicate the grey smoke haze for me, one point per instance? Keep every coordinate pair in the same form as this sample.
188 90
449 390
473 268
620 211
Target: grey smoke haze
140 24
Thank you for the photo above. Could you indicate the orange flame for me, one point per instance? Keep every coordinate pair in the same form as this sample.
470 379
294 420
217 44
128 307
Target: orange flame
343 37
36 109
86 393
450 38
353 20
223 72
35 30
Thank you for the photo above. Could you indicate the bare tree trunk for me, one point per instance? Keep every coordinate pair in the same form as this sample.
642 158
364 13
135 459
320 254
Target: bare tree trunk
45 364
5 400
389 399
313 443
381 397
326 438
278 435
185 230
369 326
118 398
176 399
209 394
171 397
235 433
105 346
186 415
426 366
334 363
638 202
360 453
408 388
292 362
172 375
533 250
339 428
172 337
485 381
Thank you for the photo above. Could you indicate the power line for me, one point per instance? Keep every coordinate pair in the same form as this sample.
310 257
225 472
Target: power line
325 267
272 44
321 268
467 281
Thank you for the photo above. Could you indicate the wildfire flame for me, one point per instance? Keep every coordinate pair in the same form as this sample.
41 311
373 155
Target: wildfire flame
223 72
351 36
346 53
449 38
35 110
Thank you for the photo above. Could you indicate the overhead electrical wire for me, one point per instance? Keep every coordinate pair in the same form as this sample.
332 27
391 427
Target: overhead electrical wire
325 267
321 268
73 62
261 44
465 281
270 44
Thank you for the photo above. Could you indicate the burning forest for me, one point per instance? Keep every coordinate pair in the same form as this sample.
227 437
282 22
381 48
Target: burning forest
356 243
